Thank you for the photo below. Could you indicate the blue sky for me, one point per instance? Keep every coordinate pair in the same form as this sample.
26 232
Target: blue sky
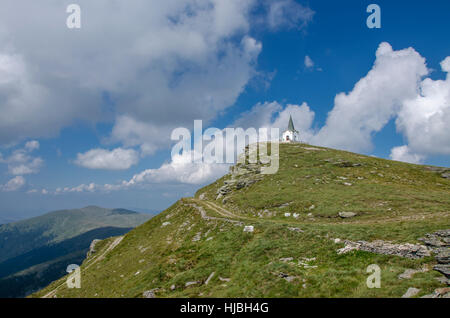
96 105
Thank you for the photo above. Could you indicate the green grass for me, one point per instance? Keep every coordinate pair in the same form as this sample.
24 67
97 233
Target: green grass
394 201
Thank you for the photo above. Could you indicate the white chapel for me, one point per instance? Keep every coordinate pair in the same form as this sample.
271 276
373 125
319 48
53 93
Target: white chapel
290 135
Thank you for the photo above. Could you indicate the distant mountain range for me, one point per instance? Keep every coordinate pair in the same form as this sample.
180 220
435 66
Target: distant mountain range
36 251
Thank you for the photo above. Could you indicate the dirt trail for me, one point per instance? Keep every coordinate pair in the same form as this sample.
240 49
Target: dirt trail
111 246
222 211
228 214
207 217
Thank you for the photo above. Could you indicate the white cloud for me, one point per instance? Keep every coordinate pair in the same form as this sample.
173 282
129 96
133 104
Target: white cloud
180 170
309 63
14 184
32 145
374 100
31 166
133 132
403 153
173 62
91 187
117 159
288 14
425 118
28 108
21 162
162 53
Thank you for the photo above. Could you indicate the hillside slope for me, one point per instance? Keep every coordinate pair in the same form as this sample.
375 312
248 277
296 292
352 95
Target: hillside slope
302 245
36 251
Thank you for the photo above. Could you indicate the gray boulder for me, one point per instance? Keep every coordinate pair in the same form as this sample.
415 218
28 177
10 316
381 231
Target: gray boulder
411 292
345 215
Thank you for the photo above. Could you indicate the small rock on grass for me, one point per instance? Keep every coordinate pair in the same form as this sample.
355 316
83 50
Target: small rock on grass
347 214
150 293
411 292
408 273
191 283
209 278
295 229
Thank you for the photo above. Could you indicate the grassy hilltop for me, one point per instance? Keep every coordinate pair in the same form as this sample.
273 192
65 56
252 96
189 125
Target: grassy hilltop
198 246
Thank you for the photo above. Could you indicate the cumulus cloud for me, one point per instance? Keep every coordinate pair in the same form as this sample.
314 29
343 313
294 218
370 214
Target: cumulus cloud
21 162
14 184
91 187
116 159
162 64
374 100
172 51
403 153
181 169
29 167
424 119
132 132
29 109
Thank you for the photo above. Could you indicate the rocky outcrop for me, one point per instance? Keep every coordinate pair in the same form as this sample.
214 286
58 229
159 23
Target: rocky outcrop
439 243
443 269
445 172
92 249
381 247
242 176
437 239
443 255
